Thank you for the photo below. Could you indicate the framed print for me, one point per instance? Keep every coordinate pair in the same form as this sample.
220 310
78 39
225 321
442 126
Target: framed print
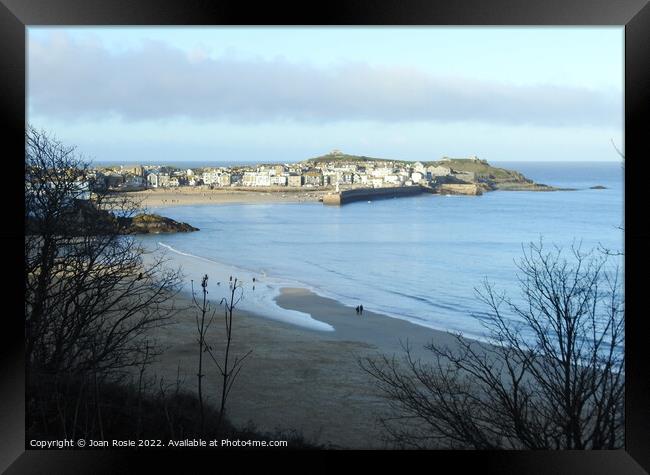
408 229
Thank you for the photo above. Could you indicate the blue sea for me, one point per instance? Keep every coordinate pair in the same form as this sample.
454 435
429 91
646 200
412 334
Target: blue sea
418 258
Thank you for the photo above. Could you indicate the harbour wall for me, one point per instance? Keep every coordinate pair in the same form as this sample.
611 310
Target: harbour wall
363 194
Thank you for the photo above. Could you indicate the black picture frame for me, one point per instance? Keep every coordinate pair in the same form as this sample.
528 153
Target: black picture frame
16 15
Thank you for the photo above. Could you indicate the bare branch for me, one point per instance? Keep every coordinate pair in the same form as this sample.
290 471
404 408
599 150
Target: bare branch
551 376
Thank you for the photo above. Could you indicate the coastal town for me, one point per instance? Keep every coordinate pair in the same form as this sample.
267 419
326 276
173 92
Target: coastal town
334 171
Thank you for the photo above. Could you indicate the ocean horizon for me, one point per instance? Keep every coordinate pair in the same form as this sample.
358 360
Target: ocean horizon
418 258
181 164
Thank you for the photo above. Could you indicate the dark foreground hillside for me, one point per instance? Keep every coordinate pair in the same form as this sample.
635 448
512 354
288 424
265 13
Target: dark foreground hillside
74 409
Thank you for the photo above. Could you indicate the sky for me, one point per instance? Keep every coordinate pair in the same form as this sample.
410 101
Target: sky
290 93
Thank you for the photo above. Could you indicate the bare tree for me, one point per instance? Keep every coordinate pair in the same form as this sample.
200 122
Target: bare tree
551 375
618 150
204 319
228 368
91 298
603 248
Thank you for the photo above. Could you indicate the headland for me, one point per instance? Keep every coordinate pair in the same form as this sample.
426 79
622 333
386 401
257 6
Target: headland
355 176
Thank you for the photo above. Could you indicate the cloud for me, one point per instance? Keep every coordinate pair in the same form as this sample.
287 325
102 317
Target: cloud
80 80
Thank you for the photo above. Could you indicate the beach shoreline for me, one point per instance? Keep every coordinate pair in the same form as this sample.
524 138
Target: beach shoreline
298 378
187 196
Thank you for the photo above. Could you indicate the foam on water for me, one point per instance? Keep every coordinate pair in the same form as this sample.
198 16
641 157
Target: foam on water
259 300
267 288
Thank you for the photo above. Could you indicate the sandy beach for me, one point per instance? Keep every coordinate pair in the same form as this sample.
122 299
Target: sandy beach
189 196
297 378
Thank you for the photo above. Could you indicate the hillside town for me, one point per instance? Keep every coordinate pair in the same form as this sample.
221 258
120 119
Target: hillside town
334 170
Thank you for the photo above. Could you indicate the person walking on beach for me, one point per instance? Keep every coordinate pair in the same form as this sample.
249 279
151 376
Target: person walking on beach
357 309
360 309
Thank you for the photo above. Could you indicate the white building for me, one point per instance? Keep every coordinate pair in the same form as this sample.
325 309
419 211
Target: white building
392 180
363 179
419 167
263 179
211 177
152 180
381 172
279 180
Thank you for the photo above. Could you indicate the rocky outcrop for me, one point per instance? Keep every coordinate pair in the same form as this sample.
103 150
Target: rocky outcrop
523 186
153 224
83 218
456 189
488 177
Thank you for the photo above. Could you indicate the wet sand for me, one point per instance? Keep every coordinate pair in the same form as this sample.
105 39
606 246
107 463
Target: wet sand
296 378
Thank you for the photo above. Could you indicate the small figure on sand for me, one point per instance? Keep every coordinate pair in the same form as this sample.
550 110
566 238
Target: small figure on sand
360 309
357 309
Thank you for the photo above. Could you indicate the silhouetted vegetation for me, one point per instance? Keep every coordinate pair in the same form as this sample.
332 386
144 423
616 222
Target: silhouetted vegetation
551 375
92 305
228 368
164 412
90 299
